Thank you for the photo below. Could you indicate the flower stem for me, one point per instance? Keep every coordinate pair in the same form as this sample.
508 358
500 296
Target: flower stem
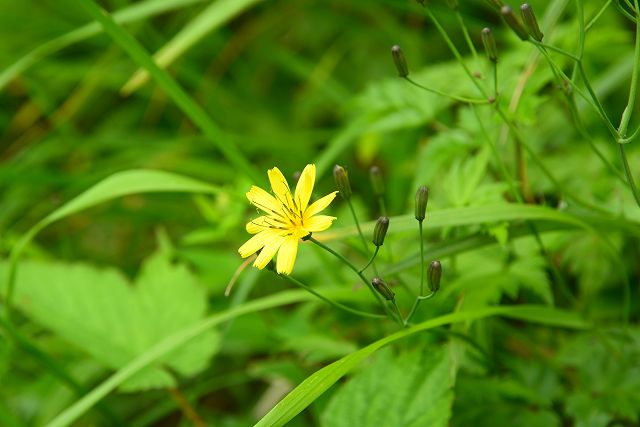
364 240
371 260
355 270
416 303
421 260
447 95
330 301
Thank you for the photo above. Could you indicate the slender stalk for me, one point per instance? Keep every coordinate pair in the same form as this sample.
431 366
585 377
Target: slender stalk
421 259
597 15
629 174
448 95
416 303
371 260
375 293
495 79
360 233
331 302
397 313
467 37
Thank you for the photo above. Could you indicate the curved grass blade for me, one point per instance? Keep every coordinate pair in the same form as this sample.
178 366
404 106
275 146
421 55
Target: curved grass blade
179 96
133 13
114 186
211 18
68 416
311 388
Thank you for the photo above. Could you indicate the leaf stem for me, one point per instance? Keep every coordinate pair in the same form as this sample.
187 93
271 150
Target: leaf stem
371 260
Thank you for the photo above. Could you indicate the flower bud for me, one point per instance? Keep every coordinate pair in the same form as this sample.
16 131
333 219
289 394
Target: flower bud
489 43
422 198
531 22
380 230
342 181
433 275
376 180
296 176
514 22
382 288
399 60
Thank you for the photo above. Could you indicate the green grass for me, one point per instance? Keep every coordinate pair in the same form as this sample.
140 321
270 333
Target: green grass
131 132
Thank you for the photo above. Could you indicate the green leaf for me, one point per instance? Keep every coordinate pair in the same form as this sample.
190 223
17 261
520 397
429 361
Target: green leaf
102 314
311 388
411 390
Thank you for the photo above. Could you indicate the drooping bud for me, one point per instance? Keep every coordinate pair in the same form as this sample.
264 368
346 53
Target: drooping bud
399 60
489 43
433 275
422 198
514 22
376 180
380 230
342 181
382 288
531 22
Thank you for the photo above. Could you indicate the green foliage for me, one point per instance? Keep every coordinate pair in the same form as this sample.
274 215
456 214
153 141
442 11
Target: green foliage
131 132
410 389
103 315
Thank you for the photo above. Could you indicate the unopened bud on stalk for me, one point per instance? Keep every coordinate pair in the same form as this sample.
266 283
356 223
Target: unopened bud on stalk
531 22
376 180
514 22
422 198
380 230
489 43
382 288
399 60
433 275
342 181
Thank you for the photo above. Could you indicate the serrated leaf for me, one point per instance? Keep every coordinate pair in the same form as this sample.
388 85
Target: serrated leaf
98 311
411 390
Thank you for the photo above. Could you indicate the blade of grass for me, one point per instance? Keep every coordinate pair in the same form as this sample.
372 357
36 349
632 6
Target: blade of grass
69 415
133 13
216 15
311 388
181 98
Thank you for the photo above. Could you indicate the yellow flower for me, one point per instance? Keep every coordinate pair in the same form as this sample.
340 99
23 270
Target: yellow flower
288 219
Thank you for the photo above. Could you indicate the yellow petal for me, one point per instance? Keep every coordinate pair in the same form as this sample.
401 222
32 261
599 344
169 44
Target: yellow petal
264 222
287 255
268 252
258 241
304 188
264 201
318 223
280 188
319 205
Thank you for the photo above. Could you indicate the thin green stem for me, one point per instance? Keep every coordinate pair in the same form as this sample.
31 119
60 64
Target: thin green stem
331 302
495 79
375 293
397 312
629 174
633 89
454 97
421 258
598 15
360 233
467 37
375 253
416 303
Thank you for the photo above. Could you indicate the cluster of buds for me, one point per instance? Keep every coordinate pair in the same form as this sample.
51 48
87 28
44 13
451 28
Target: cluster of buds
525 27
341 176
